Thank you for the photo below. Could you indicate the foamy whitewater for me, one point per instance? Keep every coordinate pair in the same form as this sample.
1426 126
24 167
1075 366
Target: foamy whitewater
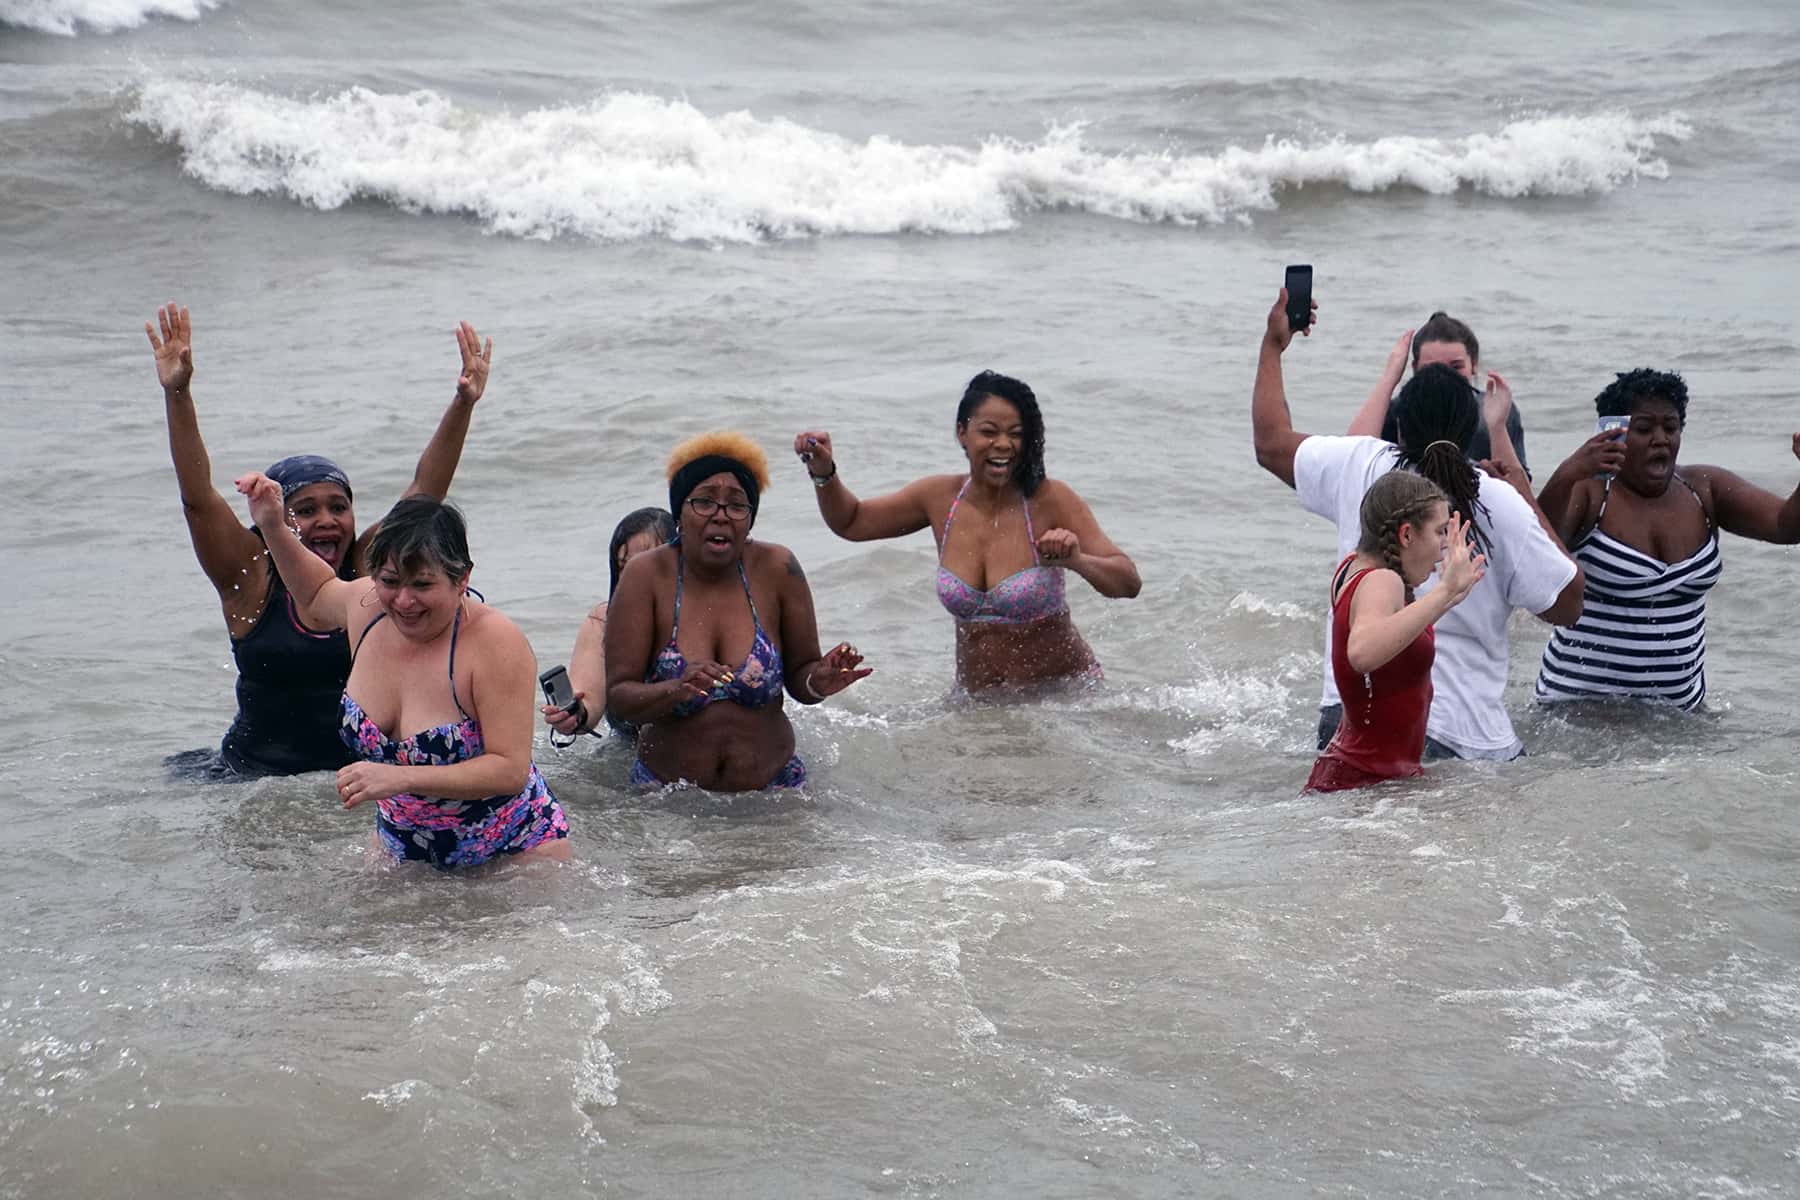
1093 946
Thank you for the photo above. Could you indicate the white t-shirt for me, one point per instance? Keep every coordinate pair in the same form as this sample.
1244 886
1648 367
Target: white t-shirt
1526 569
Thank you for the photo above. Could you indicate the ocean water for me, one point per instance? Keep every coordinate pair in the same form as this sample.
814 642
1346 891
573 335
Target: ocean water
1092 947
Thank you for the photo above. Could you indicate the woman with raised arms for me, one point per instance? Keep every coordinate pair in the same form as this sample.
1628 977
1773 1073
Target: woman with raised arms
462 789
1006 535
290 673
713 597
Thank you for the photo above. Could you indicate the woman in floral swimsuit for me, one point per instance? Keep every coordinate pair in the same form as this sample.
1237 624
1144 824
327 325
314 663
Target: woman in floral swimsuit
713 597
463 789
1001 566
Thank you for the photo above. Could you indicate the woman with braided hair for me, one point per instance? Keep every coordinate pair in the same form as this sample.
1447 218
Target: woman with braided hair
1437 416
1383 642
1001 569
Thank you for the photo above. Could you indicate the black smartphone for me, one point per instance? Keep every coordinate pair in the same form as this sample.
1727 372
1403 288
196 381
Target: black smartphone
1299 290
557 692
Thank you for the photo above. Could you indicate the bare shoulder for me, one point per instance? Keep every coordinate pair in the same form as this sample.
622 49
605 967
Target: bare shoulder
772 561
1057 500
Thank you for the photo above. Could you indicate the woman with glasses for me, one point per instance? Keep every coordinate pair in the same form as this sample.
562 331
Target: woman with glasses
705 634
1001 566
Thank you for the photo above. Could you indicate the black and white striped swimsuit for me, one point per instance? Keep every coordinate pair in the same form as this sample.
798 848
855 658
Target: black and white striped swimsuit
1642 632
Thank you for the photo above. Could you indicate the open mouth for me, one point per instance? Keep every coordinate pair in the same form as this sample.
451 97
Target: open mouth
329 549
1001 465
718 541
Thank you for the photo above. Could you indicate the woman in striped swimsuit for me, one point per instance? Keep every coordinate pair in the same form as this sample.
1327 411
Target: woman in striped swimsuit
1647 537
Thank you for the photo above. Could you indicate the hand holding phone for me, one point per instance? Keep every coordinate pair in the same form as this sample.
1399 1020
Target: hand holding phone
1299 297
558 693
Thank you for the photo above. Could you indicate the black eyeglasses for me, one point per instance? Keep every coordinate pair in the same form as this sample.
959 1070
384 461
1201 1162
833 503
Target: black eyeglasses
706 506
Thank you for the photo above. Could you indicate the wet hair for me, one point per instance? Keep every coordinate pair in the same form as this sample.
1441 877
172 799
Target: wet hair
700 458
1436 417
644 520
1397 498
1620 396
1028 467
1442 327
422 532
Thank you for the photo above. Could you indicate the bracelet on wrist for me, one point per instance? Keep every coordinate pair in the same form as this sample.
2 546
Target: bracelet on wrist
804 684
819 481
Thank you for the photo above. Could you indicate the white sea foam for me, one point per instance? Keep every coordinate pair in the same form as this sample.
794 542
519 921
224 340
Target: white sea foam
68 17
630 165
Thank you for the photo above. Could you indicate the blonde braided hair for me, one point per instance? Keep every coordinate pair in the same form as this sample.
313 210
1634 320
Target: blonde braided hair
1397 498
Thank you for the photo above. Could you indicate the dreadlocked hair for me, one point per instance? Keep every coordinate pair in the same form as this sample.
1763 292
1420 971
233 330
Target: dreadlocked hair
1436 417
1397 498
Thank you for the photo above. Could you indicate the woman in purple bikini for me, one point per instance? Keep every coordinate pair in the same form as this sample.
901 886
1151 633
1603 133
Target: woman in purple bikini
705 634
1001 566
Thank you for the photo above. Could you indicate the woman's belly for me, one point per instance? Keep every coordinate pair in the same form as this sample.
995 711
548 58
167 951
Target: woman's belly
724 747
991 655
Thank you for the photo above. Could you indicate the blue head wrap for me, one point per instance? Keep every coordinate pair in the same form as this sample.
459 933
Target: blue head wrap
303 470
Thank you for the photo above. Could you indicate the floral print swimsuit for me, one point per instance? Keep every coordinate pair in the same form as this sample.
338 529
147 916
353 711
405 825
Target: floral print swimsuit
449 833
755 684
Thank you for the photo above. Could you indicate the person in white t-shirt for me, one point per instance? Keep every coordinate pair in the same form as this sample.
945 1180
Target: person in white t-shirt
1438 413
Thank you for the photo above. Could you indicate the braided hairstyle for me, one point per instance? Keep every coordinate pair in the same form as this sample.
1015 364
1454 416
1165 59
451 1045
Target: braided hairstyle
1436 417
1028 466
1397 498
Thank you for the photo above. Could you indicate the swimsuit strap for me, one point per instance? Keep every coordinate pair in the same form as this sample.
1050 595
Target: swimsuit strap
1605 495
1697 500
365 633
951 516
455 628
1337 579
1030 534
756 620
680 570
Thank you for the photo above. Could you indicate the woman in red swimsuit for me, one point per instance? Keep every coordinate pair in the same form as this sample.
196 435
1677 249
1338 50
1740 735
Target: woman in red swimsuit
1382 644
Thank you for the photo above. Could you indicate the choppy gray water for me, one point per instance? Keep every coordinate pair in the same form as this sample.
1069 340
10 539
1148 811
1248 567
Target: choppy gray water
1092 947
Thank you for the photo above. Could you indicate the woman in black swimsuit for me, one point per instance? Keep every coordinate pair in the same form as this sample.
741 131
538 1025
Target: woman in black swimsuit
289 675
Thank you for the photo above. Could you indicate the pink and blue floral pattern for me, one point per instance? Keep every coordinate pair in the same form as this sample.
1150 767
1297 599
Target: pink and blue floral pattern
450 833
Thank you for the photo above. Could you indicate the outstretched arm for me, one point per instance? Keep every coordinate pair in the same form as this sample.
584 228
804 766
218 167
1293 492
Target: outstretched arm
890 516
437 465
1741 507
1080 545
1372 416
1270 422
221 543
323 600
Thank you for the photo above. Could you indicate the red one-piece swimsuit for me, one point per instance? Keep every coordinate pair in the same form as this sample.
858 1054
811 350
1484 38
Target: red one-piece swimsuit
1382 734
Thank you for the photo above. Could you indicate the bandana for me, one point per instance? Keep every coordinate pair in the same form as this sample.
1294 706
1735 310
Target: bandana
705 467
303 470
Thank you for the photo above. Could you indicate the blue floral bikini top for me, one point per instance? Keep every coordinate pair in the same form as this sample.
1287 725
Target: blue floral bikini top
441 745
755 684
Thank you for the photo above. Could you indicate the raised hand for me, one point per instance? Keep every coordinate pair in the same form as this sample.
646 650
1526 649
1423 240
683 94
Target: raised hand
814 449
1462 568
1279 332
1398 357
841 667
174 350
1058 546
476 359
1498 402
264 494
1604 453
